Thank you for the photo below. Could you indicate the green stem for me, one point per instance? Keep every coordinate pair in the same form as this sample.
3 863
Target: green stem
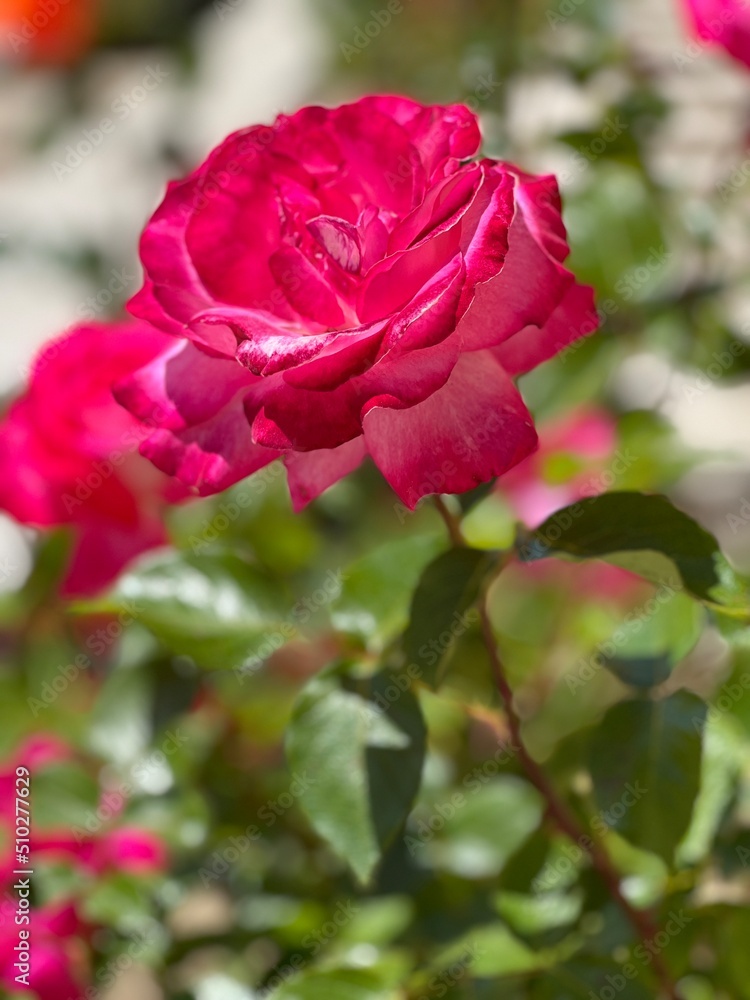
556 809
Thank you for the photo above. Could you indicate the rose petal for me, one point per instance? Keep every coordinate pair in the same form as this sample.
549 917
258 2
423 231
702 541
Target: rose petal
466 433
574 317
305 288
525 292
311 473
210 456
339 239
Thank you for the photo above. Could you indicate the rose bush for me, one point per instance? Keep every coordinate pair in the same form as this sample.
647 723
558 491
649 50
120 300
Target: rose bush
726 22
351 282
69 453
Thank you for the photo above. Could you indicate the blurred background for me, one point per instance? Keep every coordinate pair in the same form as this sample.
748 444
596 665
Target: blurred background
647 133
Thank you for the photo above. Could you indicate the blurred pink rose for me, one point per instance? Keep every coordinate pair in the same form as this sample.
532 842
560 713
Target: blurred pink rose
58 960
726 22
60 954
69 453
577 458
580 443
379 288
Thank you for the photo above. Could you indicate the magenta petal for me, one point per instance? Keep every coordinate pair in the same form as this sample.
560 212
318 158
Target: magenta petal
103 548
174 290
314 361
485 227
339 239
181 387
145 305
473 429
374 237
525 293
539 198
305 288
440 204
575 317
306 420
438 133
380 154
131 849
431 315
210 456
311 473
393 282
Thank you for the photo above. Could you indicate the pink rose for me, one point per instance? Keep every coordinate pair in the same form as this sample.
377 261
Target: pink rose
61 953
58 953
577 458
570 464
379 289
726 22
69 453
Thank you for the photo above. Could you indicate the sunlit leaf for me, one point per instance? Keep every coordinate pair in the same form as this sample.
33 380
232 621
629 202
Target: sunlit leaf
363 752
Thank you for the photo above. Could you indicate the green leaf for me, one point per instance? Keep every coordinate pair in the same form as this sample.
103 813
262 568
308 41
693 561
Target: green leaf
340 984
364 752
649 643
644 672
216 608
724 757
374 599
440 608
484 952
63 795
484 828
643 533
582 977
529 915
645 761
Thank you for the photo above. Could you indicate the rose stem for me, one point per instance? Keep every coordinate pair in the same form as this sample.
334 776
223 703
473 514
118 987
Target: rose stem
556 808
